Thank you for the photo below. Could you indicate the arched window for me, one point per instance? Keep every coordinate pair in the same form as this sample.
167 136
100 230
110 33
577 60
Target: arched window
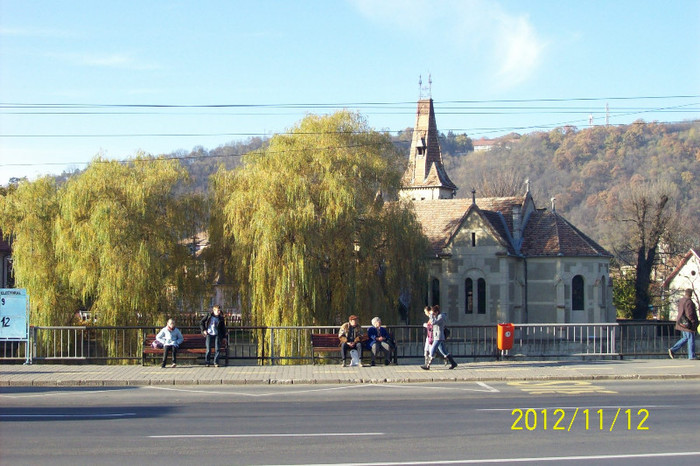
577 297
481 296
469 296
435 291
603 291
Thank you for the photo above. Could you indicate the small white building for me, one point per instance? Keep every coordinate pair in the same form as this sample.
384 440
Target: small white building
686 275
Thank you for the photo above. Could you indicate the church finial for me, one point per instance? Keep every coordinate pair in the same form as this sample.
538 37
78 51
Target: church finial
425 92
554 204
527 185
473 196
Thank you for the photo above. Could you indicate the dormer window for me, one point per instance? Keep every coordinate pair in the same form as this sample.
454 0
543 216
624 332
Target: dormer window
420 147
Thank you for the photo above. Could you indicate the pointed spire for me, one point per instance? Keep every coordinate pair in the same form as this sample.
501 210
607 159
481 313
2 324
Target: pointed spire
425 176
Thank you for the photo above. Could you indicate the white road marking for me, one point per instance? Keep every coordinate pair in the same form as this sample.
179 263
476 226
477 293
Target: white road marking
339 434
516 460
256 395
485 389
55 393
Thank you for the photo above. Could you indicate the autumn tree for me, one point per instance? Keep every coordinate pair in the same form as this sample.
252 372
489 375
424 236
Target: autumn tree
28 213
645 212
121 238
310 238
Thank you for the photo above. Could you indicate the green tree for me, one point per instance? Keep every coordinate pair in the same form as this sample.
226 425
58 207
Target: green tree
119 238
28 213
311 240
624 295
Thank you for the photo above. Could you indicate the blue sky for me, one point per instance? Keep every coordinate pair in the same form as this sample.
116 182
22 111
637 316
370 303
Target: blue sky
494 65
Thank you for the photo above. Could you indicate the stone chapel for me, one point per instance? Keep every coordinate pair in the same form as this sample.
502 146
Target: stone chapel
501 259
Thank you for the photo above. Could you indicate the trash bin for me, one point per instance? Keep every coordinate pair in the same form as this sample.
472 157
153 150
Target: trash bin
505 336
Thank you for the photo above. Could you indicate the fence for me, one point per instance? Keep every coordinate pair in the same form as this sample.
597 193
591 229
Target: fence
262 344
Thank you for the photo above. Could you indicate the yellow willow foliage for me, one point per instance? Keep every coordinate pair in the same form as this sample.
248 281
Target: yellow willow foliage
119 236
28 214
309 245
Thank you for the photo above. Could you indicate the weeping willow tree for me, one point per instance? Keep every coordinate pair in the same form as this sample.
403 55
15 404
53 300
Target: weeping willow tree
309 237
119 236
28 214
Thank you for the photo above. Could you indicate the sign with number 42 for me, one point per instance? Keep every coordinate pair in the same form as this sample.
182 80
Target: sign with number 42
13 314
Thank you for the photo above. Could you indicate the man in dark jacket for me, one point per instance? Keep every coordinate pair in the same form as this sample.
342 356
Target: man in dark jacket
213 328
687 323
351 337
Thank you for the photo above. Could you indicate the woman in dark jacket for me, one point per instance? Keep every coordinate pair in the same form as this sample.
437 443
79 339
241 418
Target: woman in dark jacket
213 328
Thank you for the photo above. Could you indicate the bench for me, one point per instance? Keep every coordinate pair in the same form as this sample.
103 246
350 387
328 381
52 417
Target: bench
330 343
192 344
324 343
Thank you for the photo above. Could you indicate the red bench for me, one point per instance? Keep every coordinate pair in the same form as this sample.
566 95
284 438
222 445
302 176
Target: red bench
192 344
324 343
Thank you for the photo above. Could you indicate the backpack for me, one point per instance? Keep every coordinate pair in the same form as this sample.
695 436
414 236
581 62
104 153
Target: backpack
447 333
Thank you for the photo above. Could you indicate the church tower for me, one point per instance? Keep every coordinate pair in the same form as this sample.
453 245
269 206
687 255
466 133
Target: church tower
425 176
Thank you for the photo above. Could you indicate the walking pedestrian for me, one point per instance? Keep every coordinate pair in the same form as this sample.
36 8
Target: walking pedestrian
687 323
439 323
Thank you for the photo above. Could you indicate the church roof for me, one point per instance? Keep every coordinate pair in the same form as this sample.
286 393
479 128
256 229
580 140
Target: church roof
543 233
441 218
549 234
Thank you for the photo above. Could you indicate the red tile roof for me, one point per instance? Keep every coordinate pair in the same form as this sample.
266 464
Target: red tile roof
544 233
549 234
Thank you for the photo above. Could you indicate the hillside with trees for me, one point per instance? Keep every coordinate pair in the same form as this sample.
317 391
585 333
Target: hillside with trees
630 187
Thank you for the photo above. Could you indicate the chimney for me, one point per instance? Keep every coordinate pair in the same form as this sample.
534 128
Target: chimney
517 227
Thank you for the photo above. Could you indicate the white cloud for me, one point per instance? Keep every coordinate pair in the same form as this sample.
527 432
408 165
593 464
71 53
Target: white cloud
35 32
109 60
519 49
507 45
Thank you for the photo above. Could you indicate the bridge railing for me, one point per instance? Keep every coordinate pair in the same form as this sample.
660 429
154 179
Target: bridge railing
273 345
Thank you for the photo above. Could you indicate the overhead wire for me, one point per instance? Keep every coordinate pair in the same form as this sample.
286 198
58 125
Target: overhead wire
448 107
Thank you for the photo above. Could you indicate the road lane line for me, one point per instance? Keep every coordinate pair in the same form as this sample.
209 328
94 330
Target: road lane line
57 393
513 460
257 395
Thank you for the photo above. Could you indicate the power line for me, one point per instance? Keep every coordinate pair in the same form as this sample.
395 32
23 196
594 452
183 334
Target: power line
337 104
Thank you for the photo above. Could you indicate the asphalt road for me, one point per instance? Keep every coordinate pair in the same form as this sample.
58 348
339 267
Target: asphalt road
577 422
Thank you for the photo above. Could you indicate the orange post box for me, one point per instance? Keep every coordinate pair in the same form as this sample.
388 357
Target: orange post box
505 336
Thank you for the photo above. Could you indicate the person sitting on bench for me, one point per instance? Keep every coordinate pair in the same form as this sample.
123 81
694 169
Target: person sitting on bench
350 336
379 340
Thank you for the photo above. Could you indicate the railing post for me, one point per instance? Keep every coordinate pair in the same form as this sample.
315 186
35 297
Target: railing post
272 346
30 348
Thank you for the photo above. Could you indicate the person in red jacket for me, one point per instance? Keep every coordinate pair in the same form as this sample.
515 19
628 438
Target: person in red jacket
687 323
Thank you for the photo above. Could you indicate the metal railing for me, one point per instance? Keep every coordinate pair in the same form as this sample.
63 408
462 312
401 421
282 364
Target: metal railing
275 345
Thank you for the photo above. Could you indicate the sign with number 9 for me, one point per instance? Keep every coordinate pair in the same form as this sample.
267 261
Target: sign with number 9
13 314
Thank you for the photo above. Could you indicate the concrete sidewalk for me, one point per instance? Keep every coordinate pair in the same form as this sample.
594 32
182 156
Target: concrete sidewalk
104 375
